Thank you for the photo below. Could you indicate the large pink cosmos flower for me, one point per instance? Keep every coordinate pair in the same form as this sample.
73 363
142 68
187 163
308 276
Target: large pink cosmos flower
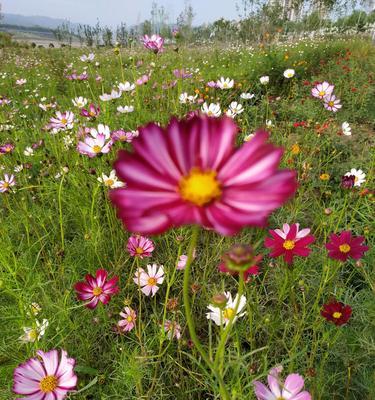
45 379
97 289
191 173
153 43
290 389
343 246
289 242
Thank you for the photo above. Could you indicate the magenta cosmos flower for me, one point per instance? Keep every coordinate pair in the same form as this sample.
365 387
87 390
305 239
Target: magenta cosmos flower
341 247
154 43
91 112
97 289
140 246
336 312
289 390
289 242
47 378
191 173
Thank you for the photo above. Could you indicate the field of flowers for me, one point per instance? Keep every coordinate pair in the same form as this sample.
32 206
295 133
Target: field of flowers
192 223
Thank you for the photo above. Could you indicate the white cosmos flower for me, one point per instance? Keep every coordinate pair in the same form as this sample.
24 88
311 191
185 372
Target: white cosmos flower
184 98
20 82
289 73
359 176
264 80
247 96
213 110
346 129
234 109
149 281
88 58
126 109
225 83
269 123
222 316
103 129
79 102
111 181
112 96
28 152
126 87
31 335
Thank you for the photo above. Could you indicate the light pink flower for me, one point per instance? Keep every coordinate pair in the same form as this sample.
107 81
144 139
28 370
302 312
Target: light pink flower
128 321
331 103
289 390
322 89
62 121
149 281
153 43
98 142
7 183
173 329
47 378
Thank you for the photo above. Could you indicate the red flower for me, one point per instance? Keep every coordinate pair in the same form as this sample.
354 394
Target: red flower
289 242
336 312
97 289
343 246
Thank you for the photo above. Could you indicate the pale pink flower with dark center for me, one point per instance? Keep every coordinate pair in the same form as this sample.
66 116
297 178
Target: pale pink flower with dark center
153 43
149 281
192 173
128 322
291 389
321 90
45 378
140 246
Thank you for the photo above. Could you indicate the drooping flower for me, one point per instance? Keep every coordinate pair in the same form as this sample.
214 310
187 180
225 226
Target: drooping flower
33 334
129 318
7 183
92 111
111 181
321 90
45 378
290 389
344 246
331 103
149 281
225 83
289 73
289 242
240 258
140 246
173 329
336 312
223 315
154 43
264 80
212 110
190 172
97 288
359 176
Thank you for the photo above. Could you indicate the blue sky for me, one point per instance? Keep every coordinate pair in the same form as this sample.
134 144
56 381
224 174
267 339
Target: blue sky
111 12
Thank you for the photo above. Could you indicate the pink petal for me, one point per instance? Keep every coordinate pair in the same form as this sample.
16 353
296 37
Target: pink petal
293 384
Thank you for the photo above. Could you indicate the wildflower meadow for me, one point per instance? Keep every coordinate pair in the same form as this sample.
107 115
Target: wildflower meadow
188 221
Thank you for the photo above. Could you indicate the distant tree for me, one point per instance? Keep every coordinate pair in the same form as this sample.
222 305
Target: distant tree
122 34
1 15
185 20
64 33
80 33
89 35
146 27
107 36
97 30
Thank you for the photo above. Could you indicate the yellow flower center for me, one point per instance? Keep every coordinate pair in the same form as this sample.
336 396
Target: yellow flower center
5 185
322 93
289 245
96 149
92 113
64 121
33 334
210 113
200 187
109 182
48 384
344 248
129 318
139 250
228 313
336 315
97 291
331 103
151 281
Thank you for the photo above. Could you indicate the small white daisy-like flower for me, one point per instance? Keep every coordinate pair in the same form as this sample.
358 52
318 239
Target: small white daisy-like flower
28 152
213 110
247 96
33 334
111 181
225 83
346 129
222 316
359 176
234 109
264 80
125 109
289 73
126 87
79 102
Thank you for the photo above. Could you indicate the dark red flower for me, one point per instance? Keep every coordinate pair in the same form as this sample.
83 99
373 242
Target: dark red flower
336 312
341 247
97 289
347 181
289 242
